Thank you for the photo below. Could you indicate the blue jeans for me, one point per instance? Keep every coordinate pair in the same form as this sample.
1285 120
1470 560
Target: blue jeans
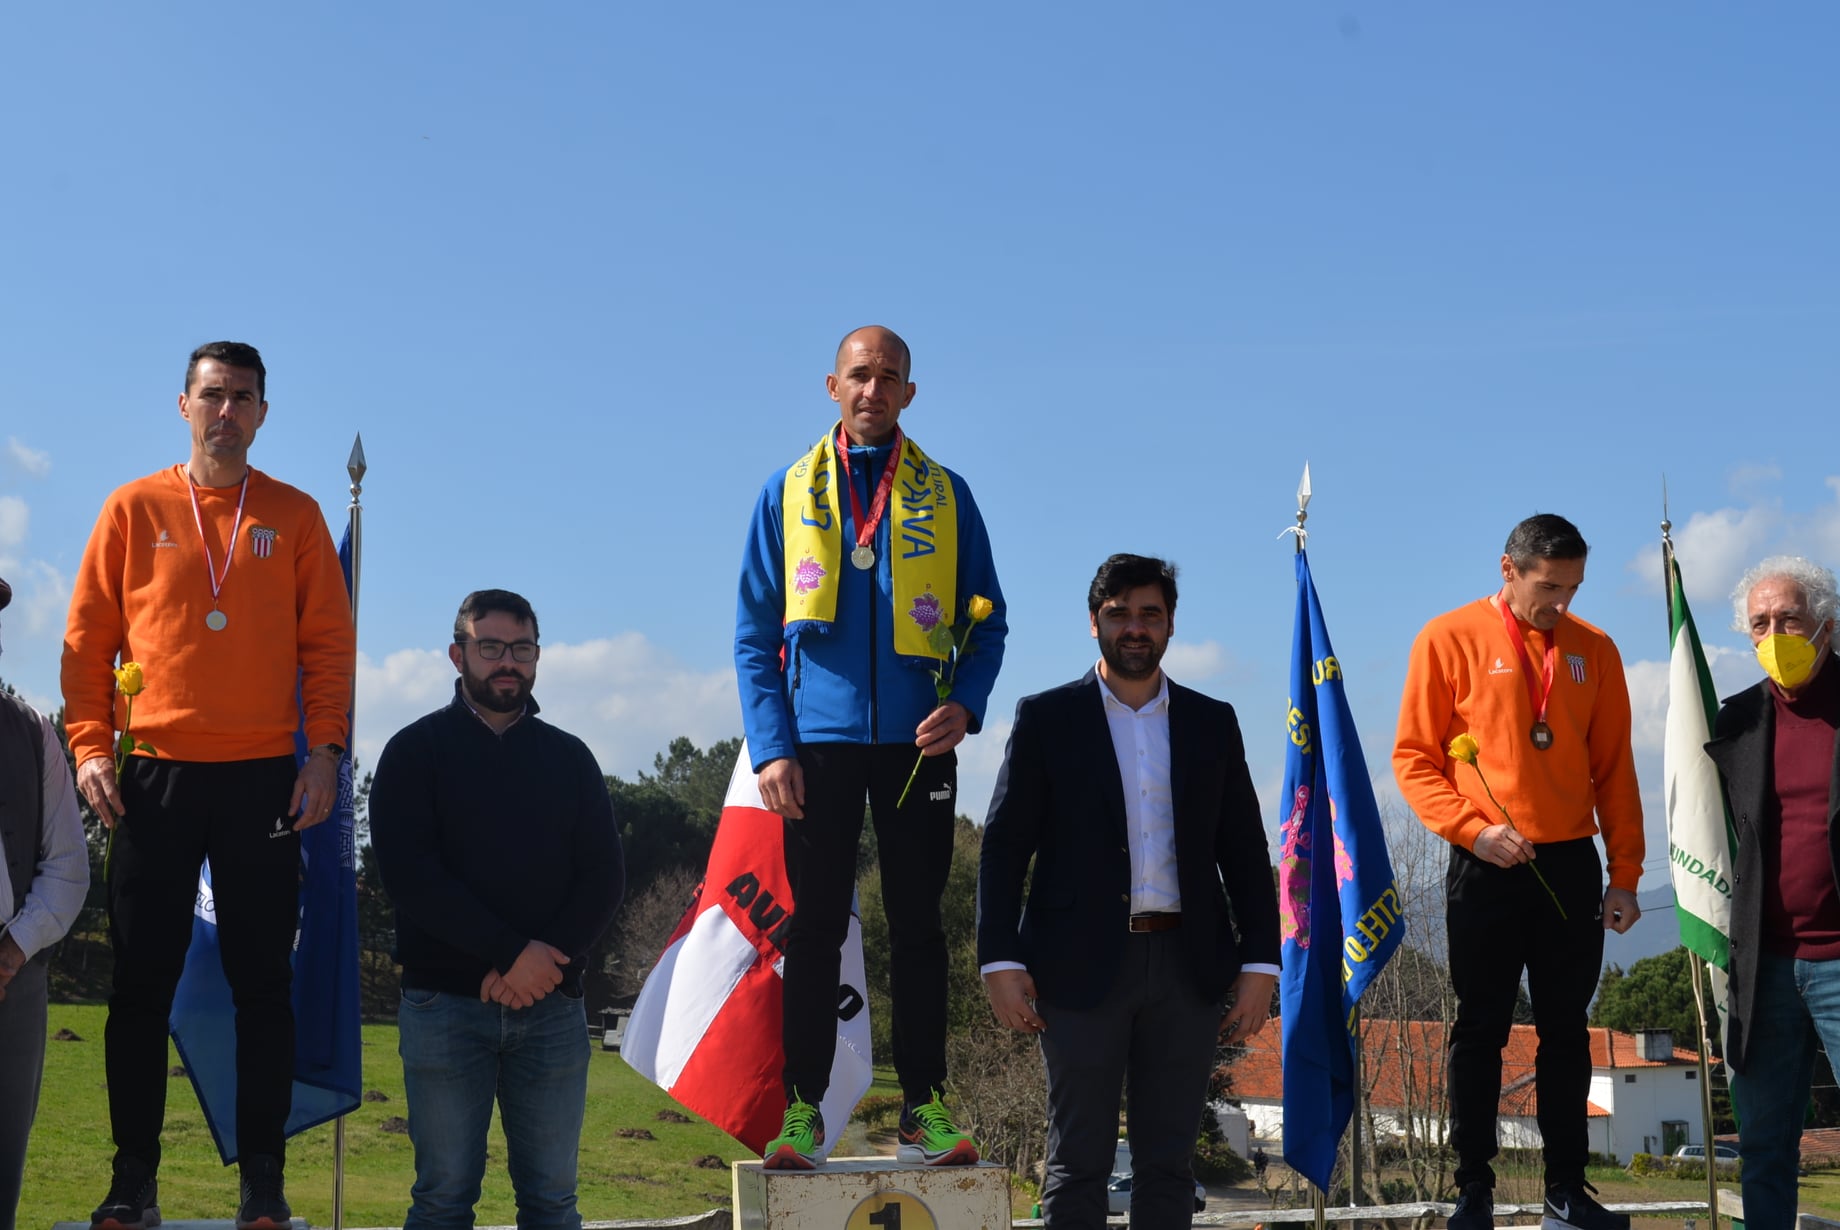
458 1055
1796 1001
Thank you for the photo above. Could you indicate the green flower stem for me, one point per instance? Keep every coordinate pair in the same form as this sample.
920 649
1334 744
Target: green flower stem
127 741
1509 821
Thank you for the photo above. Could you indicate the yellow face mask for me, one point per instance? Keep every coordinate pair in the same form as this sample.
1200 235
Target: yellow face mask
1788 660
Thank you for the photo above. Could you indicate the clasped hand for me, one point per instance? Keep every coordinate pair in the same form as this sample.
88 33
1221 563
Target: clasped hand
536 972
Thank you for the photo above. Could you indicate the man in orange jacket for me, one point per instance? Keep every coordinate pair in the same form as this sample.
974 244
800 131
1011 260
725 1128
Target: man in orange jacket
224 586
1542 695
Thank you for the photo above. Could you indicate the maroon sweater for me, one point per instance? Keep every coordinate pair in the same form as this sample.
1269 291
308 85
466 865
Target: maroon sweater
1801 904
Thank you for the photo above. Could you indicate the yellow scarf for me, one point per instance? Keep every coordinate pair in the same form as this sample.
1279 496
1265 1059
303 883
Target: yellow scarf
922 521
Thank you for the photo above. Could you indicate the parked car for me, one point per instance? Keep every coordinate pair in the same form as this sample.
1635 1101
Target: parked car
1724 1156
1118 1195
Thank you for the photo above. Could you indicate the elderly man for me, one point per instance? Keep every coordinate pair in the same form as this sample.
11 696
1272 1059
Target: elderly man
44 879
1775 748
1542 693
224 585
859 554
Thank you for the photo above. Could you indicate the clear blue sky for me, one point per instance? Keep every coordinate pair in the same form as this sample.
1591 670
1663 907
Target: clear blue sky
576 272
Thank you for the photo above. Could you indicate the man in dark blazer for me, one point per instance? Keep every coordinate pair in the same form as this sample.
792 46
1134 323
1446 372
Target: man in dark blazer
1776 751
1151 904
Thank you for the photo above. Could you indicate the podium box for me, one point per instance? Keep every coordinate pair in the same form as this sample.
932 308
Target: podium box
872 1193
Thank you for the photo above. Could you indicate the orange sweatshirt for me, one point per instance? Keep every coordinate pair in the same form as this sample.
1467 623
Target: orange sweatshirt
142 593
1464 677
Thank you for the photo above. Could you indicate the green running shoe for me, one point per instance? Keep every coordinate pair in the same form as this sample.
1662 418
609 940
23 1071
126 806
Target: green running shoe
930 1138
800 1135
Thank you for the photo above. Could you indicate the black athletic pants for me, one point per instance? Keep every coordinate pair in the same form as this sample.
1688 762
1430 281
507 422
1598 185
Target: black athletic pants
915 848
1501 921
179 812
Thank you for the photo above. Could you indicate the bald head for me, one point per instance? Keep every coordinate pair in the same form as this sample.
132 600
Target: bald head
882 336
870 385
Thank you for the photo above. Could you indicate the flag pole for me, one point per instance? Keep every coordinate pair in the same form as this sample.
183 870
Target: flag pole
355 467
1699 966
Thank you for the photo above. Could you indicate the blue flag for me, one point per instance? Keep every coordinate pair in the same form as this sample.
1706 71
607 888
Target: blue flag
326 1036
1338 904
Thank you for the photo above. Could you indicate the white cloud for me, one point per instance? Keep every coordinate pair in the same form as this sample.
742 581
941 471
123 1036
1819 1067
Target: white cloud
1714 548
624 697
1749 480
1732 670
44 597
1191 661
35 462
13 519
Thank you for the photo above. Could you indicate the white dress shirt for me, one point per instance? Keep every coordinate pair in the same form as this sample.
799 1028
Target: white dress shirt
1140 742
62 880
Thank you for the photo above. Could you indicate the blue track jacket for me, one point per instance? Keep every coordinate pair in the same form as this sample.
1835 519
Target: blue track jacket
843 682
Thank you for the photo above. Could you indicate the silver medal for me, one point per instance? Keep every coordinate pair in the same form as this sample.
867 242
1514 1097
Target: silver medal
863 557
216 620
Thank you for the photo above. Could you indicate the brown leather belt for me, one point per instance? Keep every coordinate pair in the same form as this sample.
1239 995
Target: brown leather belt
1165 921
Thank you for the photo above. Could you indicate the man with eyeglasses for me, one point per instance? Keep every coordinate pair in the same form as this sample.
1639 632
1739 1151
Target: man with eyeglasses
495 836
222 583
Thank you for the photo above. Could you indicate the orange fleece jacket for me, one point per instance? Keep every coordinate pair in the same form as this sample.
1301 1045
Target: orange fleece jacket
142 593
1464 677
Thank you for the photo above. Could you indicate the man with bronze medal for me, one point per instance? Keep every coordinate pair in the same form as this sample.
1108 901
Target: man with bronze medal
223 584
1542 695
860 556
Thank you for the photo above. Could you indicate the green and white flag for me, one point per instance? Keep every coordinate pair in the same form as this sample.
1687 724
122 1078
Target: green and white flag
1702 844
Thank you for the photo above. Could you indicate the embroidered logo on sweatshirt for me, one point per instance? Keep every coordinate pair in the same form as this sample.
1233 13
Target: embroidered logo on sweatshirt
1501 668
261 541
1576 662
164 541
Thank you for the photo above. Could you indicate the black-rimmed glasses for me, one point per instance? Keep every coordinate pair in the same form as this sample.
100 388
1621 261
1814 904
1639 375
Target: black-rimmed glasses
492 651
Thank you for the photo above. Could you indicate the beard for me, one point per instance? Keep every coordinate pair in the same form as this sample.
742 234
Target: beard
486 693
1137 659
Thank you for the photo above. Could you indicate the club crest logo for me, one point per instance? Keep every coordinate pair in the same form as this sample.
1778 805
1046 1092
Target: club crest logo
261 541
1576 662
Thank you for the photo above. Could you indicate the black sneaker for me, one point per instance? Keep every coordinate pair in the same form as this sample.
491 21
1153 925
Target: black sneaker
1475 1208
133 1202
1569 1207
264 1207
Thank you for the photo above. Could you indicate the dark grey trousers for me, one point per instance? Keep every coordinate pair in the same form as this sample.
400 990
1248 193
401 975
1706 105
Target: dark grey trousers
1152 1040
22 1066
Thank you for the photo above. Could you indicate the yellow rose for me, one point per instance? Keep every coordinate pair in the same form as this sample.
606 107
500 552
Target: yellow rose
1465 748
128 678
979 608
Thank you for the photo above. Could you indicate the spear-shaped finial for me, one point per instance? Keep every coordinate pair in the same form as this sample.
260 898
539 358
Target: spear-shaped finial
354 466
1303 504
1666 525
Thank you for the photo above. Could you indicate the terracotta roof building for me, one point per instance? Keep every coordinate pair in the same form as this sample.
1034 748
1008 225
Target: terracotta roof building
1644 1090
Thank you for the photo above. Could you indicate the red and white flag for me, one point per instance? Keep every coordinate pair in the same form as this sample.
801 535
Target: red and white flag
706 1027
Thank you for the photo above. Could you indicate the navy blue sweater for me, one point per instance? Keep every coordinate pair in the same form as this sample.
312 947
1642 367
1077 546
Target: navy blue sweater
489 841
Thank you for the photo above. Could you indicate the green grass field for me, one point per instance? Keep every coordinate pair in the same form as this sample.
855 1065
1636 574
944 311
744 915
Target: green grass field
67 1168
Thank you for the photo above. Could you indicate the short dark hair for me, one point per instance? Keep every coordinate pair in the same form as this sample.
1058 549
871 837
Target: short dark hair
1120 573
231 354
485 602
1544 536
907 355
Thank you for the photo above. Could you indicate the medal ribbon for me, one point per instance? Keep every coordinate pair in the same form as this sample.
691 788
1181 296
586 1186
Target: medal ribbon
865 529
1537 697
210 565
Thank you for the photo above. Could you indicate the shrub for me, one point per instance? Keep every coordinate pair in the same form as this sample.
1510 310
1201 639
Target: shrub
878 1111
1215 1162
